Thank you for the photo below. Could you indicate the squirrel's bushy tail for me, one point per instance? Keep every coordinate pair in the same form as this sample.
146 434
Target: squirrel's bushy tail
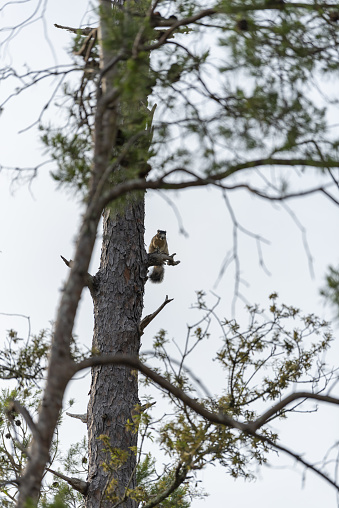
157 274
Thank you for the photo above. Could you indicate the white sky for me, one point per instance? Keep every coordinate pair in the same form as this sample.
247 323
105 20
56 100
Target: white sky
39 223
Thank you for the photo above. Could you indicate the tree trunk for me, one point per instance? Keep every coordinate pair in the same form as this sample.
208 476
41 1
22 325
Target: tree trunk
118 303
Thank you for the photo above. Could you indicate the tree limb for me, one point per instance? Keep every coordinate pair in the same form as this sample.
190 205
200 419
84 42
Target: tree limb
89 279
146 321
135 363
218 418
82 31
197 181
83 417
158 259
178 479
259 422
16 406
14 481
300 459
77 484
249 428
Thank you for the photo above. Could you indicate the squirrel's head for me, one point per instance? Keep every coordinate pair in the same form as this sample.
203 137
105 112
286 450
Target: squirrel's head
161 234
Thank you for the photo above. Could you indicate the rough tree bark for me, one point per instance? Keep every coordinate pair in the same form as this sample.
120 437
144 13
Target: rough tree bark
118 303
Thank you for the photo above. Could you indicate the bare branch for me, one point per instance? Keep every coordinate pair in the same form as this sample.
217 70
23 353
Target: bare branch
67 263
218 418
14 481
83 417
333 178
16 467
158 259
176 211
76 483
82 31
300 459
303 235
89 279
196 181
146 321
287 400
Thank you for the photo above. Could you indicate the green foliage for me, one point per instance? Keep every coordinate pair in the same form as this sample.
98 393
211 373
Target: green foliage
15 438
114 459
59 501
72 156
22 364
75 460
276 346
14 430
63 497
331 290
24 360
253 96
150 485
260 361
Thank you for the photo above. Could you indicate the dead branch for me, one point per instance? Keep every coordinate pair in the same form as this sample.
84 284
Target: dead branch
88 45
299 458
83 417
82 31
77 484
146 321
67 263
159 258
89 279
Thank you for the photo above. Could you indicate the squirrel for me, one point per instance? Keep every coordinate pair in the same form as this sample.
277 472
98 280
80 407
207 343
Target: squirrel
158 244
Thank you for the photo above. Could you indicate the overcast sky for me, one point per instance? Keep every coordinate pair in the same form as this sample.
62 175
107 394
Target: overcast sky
39 222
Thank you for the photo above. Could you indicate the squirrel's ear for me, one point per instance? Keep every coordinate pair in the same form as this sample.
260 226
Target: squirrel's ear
158 230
